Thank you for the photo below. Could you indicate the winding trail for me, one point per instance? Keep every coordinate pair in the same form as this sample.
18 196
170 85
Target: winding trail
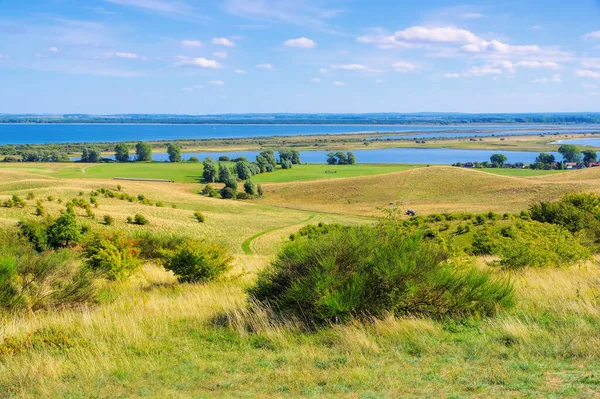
246 245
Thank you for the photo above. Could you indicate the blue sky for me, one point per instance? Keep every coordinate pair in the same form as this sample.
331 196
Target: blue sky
234 56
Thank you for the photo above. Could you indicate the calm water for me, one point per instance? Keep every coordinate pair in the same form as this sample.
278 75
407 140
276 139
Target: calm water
432 156
57 133
589 142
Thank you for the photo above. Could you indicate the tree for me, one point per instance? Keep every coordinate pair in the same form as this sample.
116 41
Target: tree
227 193
589 156
570 153
174 152
249 187
259 190
269 155
331 160
545 159
262 163
498 160
224 173
289 155
91 155
210 173
286 164
122 152
232 183
64 231
143 152
243 171
351 158
341 158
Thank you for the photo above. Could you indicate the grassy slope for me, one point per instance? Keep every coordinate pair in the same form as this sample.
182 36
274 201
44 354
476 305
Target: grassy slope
426 190
159 339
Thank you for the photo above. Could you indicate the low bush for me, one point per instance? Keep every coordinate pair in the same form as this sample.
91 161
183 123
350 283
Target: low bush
113 255
108 220
30 280
209 191
199 216
198 262
157 246
140 220
49 233
373 272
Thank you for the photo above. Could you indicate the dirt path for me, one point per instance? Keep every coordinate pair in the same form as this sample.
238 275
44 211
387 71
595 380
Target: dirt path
246 245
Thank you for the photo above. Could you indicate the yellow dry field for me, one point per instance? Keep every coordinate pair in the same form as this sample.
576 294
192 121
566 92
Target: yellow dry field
429 190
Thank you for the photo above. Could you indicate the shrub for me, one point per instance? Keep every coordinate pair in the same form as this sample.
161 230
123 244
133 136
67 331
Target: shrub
372 272
50 198
250 187
227 193
199 262
30 196
64 232
30 280
18 202
259 190
155 246
129 219
113 255
243 196
39 209
35 232
160 204
209 191
108 220
199 216
140 219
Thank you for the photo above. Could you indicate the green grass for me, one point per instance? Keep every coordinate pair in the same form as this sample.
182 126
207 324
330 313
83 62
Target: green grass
192 172
318 171
522 172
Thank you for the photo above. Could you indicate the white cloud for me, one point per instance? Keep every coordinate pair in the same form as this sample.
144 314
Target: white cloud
267 67
591 63
483 71
495 46
323 71
584 73
199 62
216 82
452 75
472 15
379 81
403 66
53 49
339 84
125 55
536 27
223 41
187 89
314 80
301 42
192 43
592 35
538 64
220 54
421 34
240 71
195 87
553 79
350 67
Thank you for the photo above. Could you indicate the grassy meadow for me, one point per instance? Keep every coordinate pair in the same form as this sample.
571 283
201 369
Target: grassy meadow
151 337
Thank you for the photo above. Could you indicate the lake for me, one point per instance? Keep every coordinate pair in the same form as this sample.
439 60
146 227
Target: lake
432 156
73 133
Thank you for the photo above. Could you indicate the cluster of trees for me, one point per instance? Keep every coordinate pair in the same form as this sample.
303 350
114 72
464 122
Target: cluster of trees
244 170
44 156
569 152
340 158
143 152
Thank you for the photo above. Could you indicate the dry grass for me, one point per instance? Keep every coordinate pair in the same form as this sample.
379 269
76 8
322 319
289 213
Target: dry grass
429 190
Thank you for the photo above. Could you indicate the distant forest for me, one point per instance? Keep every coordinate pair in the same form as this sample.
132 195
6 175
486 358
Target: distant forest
338 119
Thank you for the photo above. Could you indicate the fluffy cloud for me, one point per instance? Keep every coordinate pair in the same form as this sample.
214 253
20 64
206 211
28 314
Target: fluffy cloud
267 67
494 46
191 43
127 56
553 79
452 75
199 62
222 41
483 71
591 63
53 49
216 83
323 71
220 54
420 35
403 66
301 42
592 35
585 73
314 80
349 67
339 84
240 71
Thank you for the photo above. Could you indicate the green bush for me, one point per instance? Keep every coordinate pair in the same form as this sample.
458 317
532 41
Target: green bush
114 255
199 262
373 272
108 220
30 280
140 220
157 246
228 193
64 232
199 216
30 196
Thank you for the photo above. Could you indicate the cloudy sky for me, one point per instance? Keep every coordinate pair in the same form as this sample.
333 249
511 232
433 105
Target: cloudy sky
233 56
